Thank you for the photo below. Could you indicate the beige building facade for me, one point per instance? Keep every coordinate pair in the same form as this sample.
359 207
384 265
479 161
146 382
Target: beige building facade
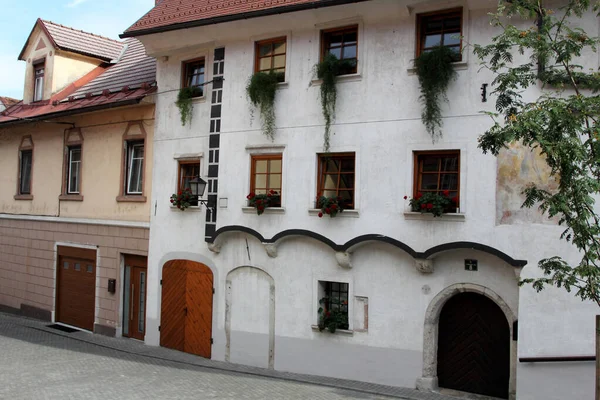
76 162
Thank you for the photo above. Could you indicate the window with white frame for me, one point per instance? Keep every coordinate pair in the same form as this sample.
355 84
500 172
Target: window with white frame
74 170
135 168
38 85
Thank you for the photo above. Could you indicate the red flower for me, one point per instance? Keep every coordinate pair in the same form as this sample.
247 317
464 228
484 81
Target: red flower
171 200
272 192
429 206
334 207
423 206
320 215
418 196
261 208
405 197
179 193
455 199
446 193
327 211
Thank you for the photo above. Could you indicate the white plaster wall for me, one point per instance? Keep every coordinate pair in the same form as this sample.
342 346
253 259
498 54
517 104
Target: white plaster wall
378 117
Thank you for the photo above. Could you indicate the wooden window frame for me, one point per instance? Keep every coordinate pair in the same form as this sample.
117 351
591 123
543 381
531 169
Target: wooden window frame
440 14
131 147
26 146
257 56
180 164
268 157
437 154
37 65
70 150
69 145
184 73
320 181
324 43
129 139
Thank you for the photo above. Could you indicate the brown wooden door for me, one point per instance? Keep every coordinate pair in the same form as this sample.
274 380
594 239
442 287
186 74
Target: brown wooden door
186 309
474 346
134 297
76 287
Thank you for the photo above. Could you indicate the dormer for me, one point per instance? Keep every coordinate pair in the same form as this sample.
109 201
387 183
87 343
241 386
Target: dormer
57 56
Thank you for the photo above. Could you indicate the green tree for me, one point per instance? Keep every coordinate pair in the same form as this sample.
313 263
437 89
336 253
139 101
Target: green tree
561 121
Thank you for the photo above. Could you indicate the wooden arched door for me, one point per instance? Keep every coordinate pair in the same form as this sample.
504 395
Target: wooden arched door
186 308
474 346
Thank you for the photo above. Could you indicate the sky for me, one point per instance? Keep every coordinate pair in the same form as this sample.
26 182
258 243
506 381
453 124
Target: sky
103 17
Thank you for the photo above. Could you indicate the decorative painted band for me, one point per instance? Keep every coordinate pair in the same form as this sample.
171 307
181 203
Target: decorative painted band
371 238
556 359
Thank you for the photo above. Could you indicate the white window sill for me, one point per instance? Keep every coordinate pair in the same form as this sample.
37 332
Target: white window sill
449 217
191 208
346 213
268 210
337 331
283 85
201 99
340 79
458 66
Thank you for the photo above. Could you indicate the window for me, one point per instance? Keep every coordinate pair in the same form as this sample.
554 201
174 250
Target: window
193 76
336 177
342 43
135 167
437 172
25 172
74 170
270 56
38 84
188 170
266 175
442 28
335 300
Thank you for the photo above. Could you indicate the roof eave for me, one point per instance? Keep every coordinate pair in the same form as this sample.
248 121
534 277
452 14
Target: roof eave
82 110
237 17
44 29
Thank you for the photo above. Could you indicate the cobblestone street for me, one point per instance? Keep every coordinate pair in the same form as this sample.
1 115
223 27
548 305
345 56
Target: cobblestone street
38 363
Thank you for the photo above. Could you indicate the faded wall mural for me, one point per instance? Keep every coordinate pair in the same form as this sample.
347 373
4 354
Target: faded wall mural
519 167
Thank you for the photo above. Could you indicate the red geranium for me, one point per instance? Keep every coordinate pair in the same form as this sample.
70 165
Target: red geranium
446 193
423 206
320 215
429 206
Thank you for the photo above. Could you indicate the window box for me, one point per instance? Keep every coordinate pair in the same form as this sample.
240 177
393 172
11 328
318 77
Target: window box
267 210
446 217
314 212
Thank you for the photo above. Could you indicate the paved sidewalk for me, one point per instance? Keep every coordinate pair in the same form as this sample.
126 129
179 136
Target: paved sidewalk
52 361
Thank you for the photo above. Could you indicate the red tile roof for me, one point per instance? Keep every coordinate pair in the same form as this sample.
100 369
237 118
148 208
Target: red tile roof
76 41
176 14
127 82
8 101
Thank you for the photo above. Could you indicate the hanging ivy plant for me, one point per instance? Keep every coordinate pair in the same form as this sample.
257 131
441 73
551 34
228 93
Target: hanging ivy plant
327 71
261 90
184 102
435 72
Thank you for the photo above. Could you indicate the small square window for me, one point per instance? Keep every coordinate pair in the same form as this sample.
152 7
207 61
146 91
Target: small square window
193 76
336 177
270 55
266 175
77 267
442 28
438 172
188 170
65 265
90 269
343 44
333 304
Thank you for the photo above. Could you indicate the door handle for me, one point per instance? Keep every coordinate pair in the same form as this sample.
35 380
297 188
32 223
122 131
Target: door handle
185 310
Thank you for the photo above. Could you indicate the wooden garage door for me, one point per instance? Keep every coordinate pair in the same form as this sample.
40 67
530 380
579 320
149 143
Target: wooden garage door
474 346
76 287
186 309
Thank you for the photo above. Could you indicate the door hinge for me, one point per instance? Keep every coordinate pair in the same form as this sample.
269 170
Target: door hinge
159 328
211 341
515 331
161 282
213 290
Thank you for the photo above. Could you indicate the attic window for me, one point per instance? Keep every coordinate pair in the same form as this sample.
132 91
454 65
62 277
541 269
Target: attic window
38 84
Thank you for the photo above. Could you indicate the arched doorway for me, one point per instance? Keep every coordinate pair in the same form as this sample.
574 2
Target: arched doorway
474 346
186 308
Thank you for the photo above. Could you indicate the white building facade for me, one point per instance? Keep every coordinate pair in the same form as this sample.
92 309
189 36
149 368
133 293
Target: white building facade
405 276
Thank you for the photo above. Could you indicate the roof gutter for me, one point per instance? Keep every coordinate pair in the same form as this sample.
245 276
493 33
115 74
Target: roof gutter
237 17
73 112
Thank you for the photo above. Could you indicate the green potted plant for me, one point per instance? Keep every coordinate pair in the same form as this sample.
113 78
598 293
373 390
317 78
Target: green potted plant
184 102
262 201
330 206
327 71
435 71
433 203
182 199
331 315
261 90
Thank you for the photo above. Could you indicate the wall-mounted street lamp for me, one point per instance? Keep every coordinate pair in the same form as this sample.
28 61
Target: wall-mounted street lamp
197 187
